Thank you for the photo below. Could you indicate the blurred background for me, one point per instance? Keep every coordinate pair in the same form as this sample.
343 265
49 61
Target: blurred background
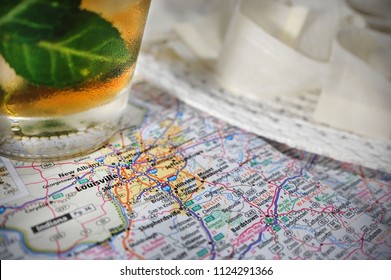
309 73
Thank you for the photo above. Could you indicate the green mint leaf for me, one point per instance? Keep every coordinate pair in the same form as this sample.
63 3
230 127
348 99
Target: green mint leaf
54 43
36 19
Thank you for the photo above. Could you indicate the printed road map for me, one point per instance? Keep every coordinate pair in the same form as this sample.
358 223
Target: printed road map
180 184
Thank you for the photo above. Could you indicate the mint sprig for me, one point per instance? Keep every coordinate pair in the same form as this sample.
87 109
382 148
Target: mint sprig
57 44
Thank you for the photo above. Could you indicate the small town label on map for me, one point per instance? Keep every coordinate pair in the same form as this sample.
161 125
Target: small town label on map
65 174
78 169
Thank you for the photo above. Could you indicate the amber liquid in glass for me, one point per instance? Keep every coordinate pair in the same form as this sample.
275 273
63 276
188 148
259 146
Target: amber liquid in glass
30 110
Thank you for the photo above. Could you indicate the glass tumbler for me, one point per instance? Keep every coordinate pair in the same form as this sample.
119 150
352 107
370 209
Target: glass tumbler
65 72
